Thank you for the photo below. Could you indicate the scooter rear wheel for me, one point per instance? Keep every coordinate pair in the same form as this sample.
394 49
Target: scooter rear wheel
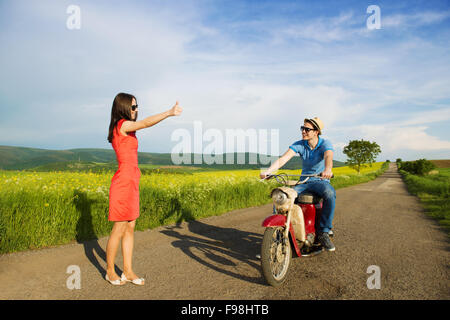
276 256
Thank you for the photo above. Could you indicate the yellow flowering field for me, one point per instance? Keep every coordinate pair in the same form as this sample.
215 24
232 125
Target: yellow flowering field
39 209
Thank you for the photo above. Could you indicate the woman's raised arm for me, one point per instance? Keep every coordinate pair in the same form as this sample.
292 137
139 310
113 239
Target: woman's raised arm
130 126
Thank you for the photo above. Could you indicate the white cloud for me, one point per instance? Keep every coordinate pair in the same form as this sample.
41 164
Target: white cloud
321 29
404 138
413 19
404 135
423 117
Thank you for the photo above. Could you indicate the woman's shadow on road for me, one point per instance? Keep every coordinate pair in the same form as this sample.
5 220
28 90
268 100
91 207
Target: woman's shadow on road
86 234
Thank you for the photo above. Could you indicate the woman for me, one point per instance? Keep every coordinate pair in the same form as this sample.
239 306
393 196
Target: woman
317 157
124 190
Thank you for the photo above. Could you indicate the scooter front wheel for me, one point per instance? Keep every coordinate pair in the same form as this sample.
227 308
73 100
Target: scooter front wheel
276 255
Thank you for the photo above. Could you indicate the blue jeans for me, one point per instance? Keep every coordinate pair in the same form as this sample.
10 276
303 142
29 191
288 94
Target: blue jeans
325 190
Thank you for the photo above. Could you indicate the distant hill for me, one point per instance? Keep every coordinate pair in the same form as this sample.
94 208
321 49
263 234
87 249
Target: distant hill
20 158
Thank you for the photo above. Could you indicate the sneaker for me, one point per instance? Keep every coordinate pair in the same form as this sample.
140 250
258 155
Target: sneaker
331 233
325 241
311 251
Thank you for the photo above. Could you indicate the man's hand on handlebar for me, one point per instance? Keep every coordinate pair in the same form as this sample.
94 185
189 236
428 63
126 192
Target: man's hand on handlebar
264 175
327 174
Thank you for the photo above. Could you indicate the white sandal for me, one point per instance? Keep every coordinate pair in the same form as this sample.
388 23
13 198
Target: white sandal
137 281
117 282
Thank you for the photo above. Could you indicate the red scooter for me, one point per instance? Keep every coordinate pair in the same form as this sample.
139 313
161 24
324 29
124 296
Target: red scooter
293 226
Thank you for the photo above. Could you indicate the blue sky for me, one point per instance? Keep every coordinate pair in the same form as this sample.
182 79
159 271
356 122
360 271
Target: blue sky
232 65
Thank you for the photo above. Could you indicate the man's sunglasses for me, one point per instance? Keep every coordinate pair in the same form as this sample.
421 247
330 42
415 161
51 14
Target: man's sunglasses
307 129
134 107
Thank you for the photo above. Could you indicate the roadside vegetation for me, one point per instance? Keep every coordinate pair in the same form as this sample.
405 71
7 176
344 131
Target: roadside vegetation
430 182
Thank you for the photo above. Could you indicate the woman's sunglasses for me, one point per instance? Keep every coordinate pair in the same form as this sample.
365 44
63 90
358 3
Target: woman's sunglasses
306 129
134 107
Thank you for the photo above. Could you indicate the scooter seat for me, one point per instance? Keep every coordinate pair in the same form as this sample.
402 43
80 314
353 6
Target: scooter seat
308 198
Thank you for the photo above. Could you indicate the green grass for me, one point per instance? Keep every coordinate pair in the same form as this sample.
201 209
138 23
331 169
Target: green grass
434 193
41 209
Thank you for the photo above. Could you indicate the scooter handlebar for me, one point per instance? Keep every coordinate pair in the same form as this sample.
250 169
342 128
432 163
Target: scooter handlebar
284 177
269 176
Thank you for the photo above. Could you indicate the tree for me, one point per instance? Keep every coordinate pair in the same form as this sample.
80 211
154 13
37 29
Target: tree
361 153
418 167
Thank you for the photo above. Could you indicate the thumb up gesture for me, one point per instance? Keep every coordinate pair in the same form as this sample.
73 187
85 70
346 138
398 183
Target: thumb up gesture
176 110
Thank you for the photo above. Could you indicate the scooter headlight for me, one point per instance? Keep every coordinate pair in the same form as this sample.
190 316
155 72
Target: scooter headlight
280 198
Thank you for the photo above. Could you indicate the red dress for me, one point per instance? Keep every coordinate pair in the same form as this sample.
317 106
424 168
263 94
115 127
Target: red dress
124 190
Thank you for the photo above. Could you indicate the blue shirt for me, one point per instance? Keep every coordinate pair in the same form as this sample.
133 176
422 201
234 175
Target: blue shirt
313 160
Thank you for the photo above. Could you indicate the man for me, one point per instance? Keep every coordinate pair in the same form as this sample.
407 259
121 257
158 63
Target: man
317 156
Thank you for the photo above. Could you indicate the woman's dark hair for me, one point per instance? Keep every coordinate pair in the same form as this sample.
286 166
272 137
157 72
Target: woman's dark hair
121 109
